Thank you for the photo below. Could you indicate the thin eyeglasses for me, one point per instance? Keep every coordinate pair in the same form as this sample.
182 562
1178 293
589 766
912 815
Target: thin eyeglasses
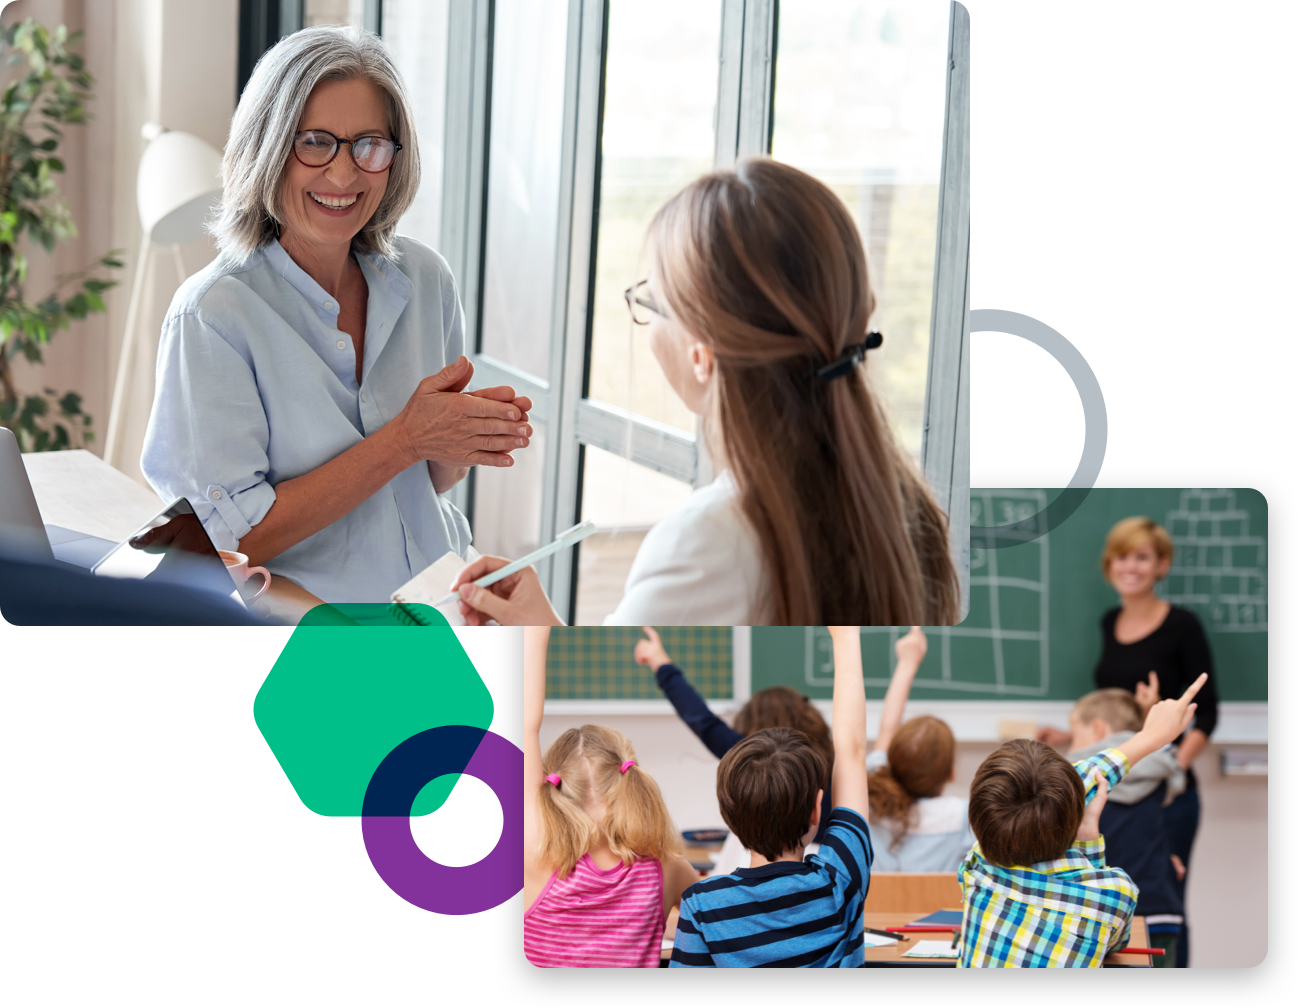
317 148
638 297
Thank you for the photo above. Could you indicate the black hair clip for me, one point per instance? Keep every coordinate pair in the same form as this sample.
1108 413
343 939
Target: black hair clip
849 358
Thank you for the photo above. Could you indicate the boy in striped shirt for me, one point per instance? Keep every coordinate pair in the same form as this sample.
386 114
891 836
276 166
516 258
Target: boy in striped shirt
1036 889
782 910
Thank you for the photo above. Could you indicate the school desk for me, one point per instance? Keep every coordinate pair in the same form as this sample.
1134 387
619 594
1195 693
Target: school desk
78 490
697 855
891 955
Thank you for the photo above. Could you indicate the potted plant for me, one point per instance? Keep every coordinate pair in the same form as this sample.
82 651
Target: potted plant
34 109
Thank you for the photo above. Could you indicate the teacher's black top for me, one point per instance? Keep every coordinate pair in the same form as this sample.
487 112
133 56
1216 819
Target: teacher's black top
1178 651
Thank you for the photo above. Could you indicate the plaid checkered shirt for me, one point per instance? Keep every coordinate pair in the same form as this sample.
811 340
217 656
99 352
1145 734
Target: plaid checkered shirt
1069 912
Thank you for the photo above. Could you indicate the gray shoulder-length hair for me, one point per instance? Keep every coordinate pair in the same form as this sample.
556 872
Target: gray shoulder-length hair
261 137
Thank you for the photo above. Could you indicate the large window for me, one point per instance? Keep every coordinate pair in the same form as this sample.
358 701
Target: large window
550 134
859 103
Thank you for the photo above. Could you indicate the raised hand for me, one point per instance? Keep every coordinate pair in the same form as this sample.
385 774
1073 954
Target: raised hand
1147 693
911 648
1089 828
651 652
1168 718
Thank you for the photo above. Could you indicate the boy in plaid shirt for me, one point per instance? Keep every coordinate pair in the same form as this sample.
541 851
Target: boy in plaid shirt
1036 889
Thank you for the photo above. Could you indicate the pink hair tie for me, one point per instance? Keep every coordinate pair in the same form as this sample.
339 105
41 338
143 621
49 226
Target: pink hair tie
627 765
554 779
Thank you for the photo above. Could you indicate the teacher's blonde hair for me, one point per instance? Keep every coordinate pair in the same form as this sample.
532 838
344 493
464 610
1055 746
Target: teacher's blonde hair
1132 533
261 137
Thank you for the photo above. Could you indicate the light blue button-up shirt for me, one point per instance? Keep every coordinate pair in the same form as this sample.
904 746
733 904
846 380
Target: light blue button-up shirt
256 384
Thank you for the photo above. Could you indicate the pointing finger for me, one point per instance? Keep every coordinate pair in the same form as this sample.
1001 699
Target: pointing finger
1194 688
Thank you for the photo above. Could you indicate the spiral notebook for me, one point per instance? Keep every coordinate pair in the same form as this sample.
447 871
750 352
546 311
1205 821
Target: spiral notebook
432 583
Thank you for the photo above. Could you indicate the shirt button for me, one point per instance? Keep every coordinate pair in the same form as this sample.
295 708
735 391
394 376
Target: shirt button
408 535
363 399
216 495
342 344
329 304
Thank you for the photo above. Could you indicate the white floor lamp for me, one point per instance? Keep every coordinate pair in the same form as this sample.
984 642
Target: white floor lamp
178 183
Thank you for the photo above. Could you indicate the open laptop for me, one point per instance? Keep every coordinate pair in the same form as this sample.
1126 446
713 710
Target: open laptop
172 547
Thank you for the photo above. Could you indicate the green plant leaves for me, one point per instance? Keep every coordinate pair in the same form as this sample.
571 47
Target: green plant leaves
57 88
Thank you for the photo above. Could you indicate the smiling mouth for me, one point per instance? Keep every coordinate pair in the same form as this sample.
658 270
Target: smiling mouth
334 202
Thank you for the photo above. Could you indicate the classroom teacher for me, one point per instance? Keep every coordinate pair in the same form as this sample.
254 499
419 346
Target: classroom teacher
1155 650
310 398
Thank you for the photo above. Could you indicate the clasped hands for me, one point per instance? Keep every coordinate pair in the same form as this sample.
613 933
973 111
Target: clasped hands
442 423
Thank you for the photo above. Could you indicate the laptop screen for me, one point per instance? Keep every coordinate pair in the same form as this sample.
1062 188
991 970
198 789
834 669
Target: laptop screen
172 548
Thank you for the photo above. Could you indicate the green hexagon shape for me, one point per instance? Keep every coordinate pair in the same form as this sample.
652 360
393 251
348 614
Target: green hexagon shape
334 701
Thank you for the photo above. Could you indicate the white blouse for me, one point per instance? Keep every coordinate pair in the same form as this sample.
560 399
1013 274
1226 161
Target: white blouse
699 566
937 841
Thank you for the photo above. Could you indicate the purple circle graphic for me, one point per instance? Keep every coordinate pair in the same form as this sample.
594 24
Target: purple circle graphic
407 870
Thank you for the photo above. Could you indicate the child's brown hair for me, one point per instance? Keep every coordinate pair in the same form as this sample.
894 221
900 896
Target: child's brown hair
1025 804
588 763
785 707
920 758
766 787
1115 707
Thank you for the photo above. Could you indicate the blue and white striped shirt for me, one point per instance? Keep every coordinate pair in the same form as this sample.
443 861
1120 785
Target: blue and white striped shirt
787 913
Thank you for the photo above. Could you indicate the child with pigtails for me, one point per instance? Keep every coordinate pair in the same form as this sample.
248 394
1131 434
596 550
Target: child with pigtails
602 862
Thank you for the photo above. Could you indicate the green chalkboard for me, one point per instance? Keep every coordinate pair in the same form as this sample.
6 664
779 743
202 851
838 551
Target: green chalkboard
595 663
1033 625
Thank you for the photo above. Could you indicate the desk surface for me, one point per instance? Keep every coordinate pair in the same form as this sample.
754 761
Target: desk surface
80 491
892 954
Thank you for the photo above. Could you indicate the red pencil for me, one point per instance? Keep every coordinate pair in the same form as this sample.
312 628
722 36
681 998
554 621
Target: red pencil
1140 951
926 927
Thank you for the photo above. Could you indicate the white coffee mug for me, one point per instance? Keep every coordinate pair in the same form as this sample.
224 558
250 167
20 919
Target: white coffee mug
237 565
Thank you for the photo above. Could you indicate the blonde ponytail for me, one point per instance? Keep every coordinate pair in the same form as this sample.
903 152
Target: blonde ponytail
634 823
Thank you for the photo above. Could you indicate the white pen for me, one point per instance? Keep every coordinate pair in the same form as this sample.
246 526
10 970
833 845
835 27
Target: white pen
563 540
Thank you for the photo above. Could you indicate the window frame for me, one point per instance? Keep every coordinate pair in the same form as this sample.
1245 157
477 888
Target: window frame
745 116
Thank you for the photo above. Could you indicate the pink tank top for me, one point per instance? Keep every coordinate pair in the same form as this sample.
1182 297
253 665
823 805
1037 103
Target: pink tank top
597 917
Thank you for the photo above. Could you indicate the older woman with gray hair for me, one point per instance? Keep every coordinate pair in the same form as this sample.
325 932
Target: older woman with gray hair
310 386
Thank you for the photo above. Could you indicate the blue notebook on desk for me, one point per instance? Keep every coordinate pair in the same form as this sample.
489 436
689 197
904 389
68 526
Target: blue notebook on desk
940 917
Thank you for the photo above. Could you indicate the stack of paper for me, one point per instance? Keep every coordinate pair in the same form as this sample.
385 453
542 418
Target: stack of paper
931 950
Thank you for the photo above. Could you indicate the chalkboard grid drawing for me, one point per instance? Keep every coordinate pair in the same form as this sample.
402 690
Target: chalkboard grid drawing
1219 569
1003 647
596 663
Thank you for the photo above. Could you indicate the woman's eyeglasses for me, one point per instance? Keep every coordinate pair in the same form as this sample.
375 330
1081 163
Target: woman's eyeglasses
316 148
639 301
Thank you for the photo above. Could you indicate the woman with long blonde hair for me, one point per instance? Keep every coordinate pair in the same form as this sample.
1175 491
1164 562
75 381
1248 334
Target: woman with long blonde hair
602 864
758 308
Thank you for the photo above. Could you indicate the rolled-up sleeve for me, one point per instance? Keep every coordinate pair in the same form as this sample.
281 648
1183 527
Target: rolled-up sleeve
208 436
